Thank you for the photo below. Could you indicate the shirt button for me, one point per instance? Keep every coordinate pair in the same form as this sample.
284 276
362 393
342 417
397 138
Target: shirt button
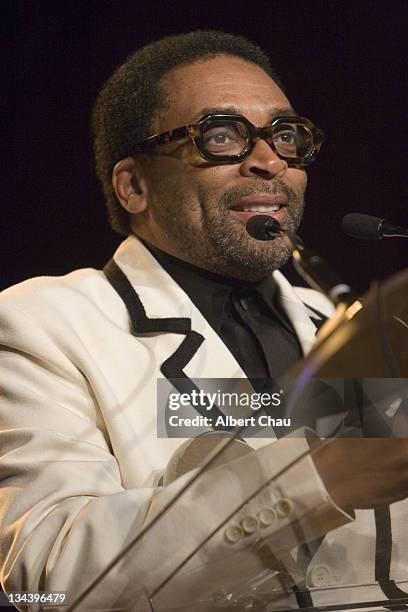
233 533
267 516
250 524
283 507
320 575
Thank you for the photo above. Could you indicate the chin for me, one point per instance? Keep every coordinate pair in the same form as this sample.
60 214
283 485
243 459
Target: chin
252 260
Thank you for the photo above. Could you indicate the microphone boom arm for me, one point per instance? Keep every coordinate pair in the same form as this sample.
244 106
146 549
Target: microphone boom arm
317 274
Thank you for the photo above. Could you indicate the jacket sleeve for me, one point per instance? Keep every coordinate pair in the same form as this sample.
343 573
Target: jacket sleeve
64 513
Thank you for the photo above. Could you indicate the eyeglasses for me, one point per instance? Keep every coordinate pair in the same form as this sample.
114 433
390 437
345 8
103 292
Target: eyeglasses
231 138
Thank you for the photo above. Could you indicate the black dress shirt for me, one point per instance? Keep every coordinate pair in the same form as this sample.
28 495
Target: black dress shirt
248 317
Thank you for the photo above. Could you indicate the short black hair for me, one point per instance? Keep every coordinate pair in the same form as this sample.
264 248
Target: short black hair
124 110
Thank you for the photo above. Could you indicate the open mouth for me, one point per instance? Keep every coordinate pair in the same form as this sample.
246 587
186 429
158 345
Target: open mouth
273 205
262 209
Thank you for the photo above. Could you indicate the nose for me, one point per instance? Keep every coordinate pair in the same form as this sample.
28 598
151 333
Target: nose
263 162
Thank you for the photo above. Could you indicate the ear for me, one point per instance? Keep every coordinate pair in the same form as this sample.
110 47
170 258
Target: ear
130 185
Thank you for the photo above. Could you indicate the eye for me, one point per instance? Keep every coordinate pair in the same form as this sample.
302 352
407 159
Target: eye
288 137
221 135
218 137
294 140
226 138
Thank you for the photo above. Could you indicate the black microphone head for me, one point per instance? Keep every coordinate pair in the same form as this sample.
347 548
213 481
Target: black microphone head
362 226
263 227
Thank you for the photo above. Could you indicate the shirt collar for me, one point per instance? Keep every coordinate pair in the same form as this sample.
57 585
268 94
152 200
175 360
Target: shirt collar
210 291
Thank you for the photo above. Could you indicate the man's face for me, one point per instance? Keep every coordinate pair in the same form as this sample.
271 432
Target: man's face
194 207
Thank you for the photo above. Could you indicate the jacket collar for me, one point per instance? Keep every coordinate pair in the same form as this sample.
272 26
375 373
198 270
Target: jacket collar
163 298
297 312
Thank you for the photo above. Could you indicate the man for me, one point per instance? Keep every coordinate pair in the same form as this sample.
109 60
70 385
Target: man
188 295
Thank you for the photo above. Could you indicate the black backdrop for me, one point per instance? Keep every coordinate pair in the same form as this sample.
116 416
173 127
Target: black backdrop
344 65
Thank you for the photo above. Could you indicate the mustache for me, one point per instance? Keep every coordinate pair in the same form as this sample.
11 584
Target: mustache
234 195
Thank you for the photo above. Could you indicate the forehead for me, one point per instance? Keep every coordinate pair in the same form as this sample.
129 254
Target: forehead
216 83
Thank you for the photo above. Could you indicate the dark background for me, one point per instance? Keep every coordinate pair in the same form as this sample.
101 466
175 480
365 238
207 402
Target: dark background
344 66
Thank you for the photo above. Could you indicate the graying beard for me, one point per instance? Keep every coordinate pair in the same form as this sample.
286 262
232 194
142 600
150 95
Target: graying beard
236 256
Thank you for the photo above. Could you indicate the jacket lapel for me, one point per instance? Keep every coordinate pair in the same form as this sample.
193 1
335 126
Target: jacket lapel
297 312
163 300
171 315
179 340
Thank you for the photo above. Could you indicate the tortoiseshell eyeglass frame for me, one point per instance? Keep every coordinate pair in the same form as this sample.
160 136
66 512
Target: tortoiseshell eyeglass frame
195 132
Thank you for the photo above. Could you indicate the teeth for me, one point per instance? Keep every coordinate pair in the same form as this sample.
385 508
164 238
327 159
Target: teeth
259 208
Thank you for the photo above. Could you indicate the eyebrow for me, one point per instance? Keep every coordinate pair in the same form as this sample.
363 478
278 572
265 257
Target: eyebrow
283 111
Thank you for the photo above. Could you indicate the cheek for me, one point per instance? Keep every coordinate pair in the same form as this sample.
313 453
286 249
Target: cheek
168 187
211 183
298 179
186 190
176 198
201 190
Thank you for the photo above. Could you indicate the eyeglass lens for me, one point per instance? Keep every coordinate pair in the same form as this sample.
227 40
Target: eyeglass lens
226 137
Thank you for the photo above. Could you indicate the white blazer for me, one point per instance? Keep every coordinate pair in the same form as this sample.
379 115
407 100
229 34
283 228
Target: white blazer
81 458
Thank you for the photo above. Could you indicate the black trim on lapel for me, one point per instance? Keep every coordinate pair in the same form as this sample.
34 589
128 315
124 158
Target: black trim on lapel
172 368
320 318
383 553
140 322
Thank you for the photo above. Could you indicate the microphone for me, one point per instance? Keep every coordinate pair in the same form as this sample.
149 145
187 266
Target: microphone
310 266
367 227
263 227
